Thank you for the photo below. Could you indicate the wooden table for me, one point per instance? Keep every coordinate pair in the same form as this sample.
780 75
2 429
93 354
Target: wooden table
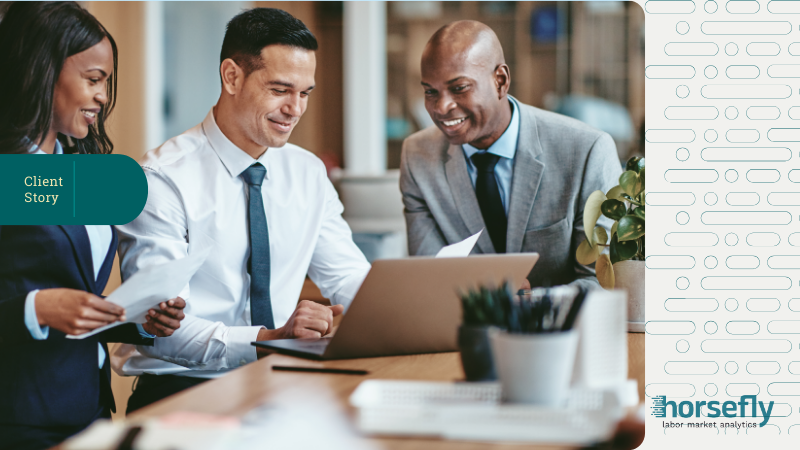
243 389
247 387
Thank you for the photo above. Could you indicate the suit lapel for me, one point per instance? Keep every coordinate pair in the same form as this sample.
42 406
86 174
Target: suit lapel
464 196
83 253
528 171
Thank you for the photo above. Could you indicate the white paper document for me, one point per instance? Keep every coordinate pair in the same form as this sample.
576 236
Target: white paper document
460 249
149 287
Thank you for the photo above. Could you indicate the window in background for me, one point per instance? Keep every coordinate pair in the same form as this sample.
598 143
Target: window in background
193 33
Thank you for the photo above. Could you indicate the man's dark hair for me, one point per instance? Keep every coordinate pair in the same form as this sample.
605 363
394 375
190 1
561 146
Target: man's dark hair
254 29
35 40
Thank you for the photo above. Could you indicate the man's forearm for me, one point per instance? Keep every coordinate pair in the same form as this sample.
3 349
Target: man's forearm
205 345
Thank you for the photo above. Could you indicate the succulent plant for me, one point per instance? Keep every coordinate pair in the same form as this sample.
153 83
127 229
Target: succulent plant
487 307
530 313
625 205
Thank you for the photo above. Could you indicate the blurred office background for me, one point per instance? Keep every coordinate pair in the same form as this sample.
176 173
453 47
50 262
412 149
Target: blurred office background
583 59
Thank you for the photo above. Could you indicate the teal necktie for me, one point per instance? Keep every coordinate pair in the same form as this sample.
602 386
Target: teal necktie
258 263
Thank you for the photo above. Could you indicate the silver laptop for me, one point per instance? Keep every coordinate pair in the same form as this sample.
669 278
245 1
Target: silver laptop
409 306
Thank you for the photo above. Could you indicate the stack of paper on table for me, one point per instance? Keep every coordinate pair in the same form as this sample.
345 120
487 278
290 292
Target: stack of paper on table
472 411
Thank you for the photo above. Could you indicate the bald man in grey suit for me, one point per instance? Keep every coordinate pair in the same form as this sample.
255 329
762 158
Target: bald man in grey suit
491 162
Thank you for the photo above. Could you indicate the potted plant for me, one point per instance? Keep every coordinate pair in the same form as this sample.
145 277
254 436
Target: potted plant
623 265
482 309
534 357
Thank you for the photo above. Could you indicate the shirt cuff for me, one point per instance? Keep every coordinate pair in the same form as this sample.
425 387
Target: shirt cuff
143 333
38 333
240 351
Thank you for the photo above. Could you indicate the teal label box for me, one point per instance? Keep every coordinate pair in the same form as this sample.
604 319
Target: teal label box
70 189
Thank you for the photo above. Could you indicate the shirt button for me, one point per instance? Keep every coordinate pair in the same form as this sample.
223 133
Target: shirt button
242 362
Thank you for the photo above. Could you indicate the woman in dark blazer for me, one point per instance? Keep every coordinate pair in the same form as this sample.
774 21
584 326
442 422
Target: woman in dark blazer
58 68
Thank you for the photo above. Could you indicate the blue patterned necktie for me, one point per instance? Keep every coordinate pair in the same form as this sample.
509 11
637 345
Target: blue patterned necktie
494 215
258 263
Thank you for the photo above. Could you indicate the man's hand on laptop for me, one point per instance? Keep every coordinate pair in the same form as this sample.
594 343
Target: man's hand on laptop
310 320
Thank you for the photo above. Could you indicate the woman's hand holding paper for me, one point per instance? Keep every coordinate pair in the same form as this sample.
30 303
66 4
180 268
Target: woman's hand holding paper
75 312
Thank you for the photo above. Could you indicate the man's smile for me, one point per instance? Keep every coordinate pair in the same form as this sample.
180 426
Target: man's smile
281 126
453 125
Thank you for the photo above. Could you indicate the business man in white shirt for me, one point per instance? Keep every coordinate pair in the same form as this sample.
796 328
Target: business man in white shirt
265 208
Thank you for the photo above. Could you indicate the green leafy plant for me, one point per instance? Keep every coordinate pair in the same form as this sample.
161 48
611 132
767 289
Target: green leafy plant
542 310
486 307
624 204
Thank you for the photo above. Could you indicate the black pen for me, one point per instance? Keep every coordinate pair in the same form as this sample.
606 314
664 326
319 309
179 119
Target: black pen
320 370
574 308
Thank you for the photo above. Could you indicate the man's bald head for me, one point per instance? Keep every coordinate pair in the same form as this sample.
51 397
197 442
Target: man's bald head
467 39
466 83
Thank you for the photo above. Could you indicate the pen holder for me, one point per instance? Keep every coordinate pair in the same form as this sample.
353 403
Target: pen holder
476 353
534 368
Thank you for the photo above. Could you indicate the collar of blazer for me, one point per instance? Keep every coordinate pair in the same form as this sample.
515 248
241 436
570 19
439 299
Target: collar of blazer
528 170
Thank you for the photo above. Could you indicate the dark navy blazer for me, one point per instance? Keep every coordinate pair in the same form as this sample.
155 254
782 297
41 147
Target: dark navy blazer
54 382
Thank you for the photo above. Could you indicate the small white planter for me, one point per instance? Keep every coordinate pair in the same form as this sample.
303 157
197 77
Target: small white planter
534 368
629 275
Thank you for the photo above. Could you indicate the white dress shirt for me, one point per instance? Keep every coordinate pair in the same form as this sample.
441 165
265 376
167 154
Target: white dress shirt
197 199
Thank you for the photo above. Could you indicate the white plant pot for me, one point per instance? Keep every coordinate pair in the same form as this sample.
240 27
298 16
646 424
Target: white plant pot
534 368
629 275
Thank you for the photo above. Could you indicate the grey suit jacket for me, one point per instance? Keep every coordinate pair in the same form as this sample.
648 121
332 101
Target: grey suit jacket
558 163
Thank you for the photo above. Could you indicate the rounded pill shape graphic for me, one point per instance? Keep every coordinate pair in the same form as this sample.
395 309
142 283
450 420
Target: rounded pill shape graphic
742 6
763 175
691 367
742 327
763 49
763 239
669 198
669 327
763 367
747 136
691 304
763 304
702 239
669 262
746 346
742 262
669 7
671 390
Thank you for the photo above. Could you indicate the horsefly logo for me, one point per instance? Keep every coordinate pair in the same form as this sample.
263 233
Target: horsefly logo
747 406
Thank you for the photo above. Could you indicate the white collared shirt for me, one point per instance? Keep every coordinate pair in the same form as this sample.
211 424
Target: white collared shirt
198 199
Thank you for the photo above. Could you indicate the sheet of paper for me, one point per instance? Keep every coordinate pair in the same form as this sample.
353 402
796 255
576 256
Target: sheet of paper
149 287
460 249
